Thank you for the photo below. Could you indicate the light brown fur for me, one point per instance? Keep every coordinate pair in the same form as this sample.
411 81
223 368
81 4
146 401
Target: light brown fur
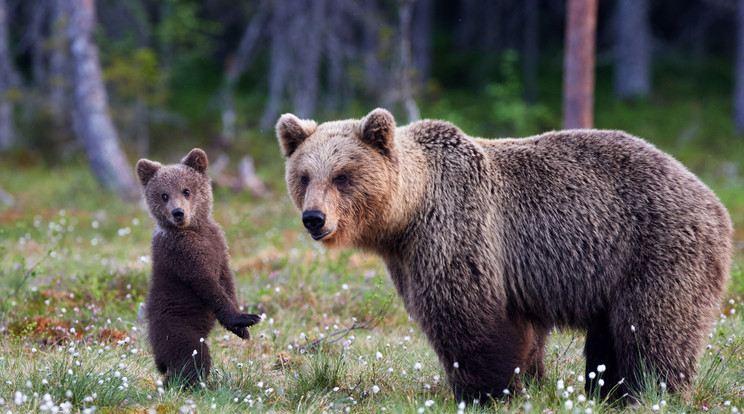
491 243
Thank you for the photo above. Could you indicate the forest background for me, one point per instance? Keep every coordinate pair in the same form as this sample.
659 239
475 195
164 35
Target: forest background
88 87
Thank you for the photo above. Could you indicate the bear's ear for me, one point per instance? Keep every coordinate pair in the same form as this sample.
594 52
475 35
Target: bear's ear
146 169
197 159
378 131
292 131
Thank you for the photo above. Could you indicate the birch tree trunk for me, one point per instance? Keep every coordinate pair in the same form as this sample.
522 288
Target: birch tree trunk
8 79
405 71
308 47
632 49
578 64
91 118
280 65
739 75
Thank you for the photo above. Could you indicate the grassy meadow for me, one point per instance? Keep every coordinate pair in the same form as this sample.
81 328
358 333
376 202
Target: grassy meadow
74 268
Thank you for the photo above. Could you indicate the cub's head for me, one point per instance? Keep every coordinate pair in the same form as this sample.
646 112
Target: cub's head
340 175
177 195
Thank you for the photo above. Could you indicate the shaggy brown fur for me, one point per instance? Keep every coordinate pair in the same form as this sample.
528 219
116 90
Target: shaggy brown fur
491 243
192 283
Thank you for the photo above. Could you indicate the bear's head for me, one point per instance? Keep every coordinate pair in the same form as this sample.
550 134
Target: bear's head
341 175
177 195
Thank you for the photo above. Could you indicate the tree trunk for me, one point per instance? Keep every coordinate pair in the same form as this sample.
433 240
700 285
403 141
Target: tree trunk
739 76
578 64
58 64
632 49
307 44
421 39
91 118
8 80
405 15
374 70
279 66
36 40
235 67
530 50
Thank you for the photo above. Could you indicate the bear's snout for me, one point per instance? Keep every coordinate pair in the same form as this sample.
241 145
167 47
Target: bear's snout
177 214
314 220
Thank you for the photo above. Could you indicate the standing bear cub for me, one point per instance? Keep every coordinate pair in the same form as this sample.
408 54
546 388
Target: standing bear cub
191 284
491 243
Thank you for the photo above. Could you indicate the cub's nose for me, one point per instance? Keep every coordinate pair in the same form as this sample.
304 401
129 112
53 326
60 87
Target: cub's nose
313 220
177 214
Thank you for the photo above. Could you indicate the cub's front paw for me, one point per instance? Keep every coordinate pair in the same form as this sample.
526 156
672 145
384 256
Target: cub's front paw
239 324
249 319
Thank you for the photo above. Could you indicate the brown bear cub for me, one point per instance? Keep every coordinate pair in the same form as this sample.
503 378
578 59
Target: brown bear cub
491 243
192 284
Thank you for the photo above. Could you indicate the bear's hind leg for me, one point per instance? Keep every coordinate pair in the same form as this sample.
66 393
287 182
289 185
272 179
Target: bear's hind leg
535 365
189 368
658 350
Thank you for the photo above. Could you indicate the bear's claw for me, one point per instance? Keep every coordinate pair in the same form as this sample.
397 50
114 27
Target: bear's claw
239 324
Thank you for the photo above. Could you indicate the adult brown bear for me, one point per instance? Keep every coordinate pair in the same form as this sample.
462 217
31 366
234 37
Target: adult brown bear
491 243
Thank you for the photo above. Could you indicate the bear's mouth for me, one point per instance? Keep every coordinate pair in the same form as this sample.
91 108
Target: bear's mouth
319 236
179 222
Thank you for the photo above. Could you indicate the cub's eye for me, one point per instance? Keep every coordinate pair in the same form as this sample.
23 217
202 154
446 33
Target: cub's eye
340 179
304 179
164 197
186 192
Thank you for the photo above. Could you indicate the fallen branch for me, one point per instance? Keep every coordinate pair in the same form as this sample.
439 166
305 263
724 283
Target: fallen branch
247 178
341 334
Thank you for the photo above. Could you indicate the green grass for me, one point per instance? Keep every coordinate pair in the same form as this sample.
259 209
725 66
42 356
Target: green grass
75 266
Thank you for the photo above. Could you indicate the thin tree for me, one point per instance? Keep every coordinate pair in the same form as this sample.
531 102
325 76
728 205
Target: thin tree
58 86
91 117
307 48
578 64
632 49
739 82
8 80
421 39
405 71
235 67
530 49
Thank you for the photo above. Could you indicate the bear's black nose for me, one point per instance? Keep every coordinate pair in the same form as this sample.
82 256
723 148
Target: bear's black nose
177 213
313 220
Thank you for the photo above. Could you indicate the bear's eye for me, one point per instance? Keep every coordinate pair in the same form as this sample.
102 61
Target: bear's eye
340 179
186 192
164 197
304 179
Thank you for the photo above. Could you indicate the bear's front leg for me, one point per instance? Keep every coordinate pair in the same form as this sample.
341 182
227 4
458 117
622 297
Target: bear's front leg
239 324
486 362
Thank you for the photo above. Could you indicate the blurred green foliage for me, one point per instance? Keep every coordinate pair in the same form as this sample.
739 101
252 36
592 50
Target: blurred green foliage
137 74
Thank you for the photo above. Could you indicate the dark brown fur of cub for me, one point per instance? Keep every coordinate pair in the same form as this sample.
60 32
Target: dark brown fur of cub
191 284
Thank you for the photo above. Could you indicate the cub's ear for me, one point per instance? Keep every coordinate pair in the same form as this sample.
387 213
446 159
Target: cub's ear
378 131
146 169
196 159
292 131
